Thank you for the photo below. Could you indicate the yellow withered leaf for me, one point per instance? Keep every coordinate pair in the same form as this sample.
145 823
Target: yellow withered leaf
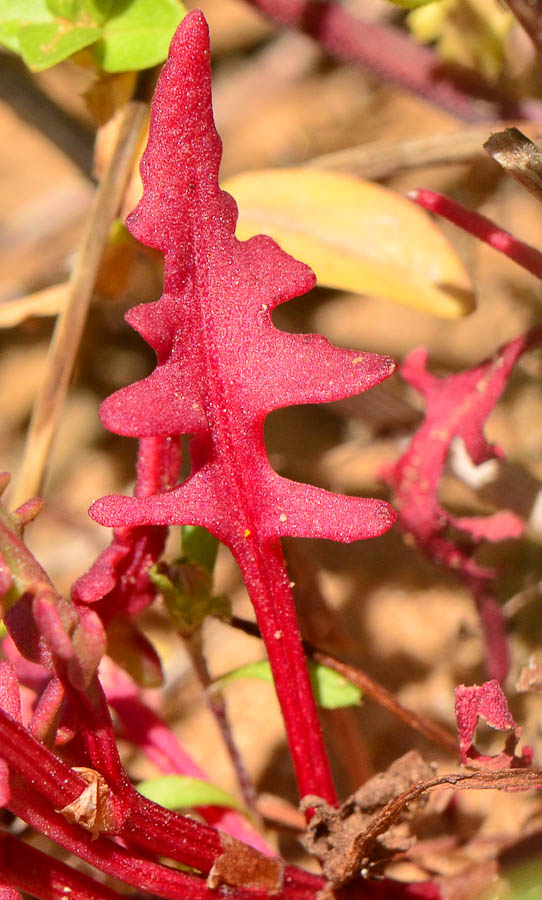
356 236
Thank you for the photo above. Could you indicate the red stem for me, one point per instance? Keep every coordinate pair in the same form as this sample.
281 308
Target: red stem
138 870
393 56
96 729
146 730
149 826
482 228
494 627
125 864
264 572
42 876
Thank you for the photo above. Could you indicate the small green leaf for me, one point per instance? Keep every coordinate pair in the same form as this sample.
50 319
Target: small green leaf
199 546
331 690
9 36
98 10
65 9
42 46
14 15
186 792
24 12
137 35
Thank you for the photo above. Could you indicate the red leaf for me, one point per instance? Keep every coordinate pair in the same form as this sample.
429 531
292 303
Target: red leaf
486 701
457 406
221 367
118 582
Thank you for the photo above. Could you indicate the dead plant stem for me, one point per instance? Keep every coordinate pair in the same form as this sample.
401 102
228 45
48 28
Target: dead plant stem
70 323
217 707
381 159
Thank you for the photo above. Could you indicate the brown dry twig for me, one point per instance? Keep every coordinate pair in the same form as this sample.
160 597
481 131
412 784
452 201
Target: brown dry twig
380 159
70 324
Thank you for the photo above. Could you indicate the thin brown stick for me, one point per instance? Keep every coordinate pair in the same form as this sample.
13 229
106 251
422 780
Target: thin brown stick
380 159
217 706
518 156
70 324
500 780
431 730
529 15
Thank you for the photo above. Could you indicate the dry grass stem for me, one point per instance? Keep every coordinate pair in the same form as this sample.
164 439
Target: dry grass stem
381 159
69 328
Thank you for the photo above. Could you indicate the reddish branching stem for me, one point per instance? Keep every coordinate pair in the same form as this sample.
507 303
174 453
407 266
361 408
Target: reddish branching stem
482 228
32 871
392 55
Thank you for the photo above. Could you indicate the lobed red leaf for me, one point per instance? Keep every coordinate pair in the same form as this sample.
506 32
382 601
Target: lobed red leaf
457 406
487 701
222 365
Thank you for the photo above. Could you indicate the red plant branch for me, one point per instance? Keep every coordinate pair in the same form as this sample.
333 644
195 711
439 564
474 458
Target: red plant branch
395 57
144 728
147 826
482 228
32 871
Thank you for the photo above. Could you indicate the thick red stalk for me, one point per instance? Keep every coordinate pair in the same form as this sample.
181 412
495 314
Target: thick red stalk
128 866
482 228
394 56
271 596
96 729
44 877
140 871
150 827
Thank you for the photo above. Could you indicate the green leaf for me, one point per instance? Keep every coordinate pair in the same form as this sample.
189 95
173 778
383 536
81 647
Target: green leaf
186 792
137 35
24 12
65 9
330 689
199 546
14 15
42 46
98 10
9 36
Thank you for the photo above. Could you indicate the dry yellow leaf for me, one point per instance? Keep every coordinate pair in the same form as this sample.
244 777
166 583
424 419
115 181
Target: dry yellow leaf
355 235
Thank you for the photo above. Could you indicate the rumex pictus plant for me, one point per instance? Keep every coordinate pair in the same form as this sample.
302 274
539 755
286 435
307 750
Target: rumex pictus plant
222 366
